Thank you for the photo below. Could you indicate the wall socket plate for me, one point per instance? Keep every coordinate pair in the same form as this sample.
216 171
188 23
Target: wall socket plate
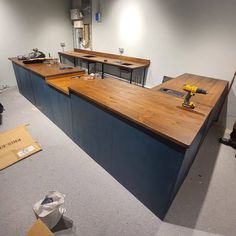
121 50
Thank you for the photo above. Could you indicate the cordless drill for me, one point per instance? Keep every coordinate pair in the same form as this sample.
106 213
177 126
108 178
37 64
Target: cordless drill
192 90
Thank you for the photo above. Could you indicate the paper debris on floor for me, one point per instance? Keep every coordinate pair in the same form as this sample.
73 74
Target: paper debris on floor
15 145
39 229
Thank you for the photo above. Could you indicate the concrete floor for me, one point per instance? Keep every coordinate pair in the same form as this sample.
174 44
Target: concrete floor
96 203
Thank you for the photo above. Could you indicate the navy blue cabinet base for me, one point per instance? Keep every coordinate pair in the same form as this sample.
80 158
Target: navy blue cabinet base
151 165
53 103
141 162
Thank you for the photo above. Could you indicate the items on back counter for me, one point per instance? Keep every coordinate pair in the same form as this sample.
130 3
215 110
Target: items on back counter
65 67
32 55
37 57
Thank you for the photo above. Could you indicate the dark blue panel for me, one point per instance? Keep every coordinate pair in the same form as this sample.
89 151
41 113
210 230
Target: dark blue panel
189 157
193 149
214 115
61 110
42 95
92 130
143 164
17 75
21 74
26 84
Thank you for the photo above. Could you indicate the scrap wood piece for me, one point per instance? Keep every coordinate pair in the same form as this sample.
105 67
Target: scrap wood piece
39 229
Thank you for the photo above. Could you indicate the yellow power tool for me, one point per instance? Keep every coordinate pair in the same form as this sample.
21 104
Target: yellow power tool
192 90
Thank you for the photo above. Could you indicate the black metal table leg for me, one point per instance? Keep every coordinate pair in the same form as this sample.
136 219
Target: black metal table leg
144 75
88 66
74 62
131 75
60 58
102 70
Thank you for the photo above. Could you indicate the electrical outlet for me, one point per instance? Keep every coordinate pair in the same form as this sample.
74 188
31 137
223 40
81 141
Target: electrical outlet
63 46
121 50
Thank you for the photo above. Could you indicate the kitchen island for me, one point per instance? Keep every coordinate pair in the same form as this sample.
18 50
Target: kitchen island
142 137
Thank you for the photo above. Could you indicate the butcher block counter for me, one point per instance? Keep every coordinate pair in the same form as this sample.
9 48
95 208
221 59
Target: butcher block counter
143 137
214 87
109 59
46 70
158 112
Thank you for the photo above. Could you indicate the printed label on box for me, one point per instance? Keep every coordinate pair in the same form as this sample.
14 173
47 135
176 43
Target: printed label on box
25 151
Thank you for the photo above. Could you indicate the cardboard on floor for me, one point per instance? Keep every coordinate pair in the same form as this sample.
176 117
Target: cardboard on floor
15 145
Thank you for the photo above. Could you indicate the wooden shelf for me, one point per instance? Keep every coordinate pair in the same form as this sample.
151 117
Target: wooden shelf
108 59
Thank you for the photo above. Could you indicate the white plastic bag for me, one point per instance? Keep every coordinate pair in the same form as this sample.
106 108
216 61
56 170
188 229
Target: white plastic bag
50 209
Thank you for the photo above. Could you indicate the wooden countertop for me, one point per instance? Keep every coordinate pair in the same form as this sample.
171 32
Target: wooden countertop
109 59
64 82
46 70
160 113
213 86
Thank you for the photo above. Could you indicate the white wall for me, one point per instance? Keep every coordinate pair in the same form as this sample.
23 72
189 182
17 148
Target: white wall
26 24
177 36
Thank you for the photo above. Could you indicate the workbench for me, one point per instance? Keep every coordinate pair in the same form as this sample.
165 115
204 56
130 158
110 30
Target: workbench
142 137
128 64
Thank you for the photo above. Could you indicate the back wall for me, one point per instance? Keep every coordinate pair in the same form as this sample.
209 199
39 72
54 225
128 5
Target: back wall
27 24
177 36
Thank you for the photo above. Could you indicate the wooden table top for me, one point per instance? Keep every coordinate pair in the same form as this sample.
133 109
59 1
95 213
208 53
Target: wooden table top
46 70
213 86
160 113
107 59
63 82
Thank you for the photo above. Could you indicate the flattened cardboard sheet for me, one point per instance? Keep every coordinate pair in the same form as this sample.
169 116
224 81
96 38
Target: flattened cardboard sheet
15 145
39 229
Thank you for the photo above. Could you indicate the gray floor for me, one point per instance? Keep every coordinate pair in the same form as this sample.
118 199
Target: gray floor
96 203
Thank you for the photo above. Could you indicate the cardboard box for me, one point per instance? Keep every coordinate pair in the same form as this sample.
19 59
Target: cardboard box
16 145
39 229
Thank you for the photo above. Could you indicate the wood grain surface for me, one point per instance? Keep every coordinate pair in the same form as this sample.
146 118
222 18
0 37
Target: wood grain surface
213 87
160 113
109 59
46 70
62 83
114 56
